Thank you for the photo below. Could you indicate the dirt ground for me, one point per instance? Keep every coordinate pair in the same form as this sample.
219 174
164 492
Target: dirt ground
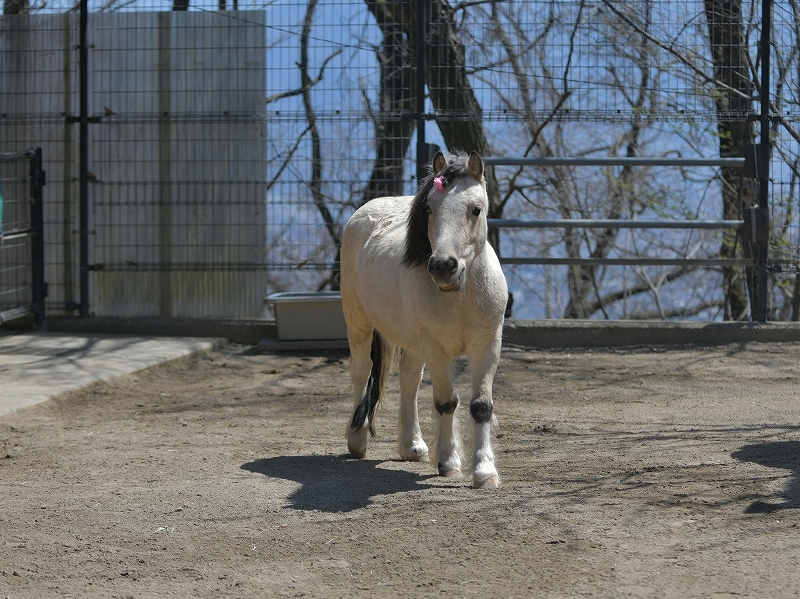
641 472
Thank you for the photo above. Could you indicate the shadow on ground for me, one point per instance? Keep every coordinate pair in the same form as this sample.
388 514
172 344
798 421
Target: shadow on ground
336 483
775 454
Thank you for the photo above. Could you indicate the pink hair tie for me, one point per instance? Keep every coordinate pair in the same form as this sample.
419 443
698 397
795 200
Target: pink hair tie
439 182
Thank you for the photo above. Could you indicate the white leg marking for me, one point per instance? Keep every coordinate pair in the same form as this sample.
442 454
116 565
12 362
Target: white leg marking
483 364
484 472
447 445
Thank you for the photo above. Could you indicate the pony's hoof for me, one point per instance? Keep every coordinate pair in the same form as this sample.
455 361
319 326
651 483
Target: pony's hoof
449 472
417 457
357 442
415 453
492 482
356 451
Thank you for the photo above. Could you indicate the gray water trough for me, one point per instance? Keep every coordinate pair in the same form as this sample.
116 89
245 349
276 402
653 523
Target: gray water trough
301 316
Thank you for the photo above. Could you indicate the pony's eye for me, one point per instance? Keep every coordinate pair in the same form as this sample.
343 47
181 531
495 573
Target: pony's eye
476 212
428 209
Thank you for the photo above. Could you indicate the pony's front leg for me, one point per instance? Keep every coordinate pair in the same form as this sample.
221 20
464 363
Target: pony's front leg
483 364
447 446
410 444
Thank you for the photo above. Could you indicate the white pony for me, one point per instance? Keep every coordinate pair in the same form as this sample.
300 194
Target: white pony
417 273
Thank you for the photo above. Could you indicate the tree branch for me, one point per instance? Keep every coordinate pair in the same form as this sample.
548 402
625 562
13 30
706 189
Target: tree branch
334 230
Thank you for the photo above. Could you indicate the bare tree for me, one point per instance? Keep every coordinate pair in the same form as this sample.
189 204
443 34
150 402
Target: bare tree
733 99
331 224
393 120
786 301
539 99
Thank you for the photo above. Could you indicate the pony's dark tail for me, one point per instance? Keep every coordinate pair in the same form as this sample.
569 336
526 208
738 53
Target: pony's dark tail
382 355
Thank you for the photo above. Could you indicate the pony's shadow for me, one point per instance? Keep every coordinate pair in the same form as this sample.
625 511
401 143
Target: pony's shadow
775 454
336 483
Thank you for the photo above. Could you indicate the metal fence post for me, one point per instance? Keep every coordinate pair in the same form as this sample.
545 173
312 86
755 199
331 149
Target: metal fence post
37 181
83 151
422 147
762 213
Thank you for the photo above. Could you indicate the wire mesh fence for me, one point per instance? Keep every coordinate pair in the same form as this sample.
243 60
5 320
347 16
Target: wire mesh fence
227 148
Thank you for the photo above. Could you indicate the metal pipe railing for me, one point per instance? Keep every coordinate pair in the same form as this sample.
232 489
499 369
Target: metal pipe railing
629 261
589 223
612 161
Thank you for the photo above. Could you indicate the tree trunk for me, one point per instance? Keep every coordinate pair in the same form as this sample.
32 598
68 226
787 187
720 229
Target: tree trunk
394 125
451 93
733 98
15 7
449 88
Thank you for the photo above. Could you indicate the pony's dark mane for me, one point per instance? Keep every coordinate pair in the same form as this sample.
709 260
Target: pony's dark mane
418 247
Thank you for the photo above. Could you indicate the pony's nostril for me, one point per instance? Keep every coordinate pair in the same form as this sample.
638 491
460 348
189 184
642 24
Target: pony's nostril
442 266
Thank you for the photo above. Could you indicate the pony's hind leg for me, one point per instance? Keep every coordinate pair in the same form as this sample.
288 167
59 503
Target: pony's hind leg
410 444
360 368
447 446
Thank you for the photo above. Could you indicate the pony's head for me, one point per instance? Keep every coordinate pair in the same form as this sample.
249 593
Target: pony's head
447 226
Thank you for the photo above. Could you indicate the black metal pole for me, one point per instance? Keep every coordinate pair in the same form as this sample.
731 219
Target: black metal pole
83 152
37 181
762 214
422 147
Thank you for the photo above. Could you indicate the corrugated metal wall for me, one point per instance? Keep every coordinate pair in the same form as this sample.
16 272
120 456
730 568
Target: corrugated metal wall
37 83
177 160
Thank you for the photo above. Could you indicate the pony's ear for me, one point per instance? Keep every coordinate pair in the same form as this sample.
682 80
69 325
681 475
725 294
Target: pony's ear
439 162
475 165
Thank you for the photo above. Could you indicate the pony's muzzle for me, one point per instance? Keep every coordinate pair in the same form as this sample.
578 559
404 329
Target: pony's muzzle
442 267
445 272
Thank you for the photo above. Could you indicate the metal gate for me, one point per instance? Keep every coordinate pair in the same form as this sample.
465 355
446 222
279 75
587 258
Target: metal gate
22 286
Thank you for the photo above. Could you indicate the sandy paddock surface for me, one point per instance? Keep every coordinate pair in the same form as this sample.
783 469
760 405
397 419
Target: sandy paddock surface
640 472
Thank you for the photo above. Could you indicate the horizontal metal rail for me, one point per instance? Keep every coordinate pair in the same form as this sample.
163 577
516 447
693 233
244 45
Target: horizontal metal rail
16 234
612 161
629 261
181 266
589 223
622 224
16 155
